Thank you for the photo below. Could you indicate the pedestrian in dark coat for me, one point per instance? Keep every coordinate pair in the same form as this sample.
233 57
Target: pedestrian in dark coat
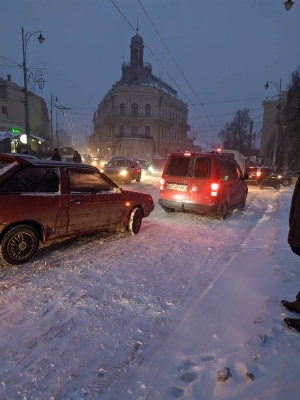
294 242
56 156
77 157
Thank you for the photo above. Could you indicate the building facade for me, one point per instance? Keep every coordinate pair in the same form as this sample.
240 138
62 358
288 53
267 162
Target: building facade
12 114
141 116
273 138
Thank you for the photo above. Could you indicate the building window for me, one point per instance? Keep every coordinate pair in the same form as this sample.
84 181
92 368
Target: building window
121 130
147 130
134 131
134 109
4 110
148 109
122 109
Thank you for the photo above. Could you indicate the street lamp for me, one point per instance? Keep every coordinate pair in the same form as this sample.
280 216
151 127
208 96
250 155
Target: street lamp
25 40
288 4
62 108
278 87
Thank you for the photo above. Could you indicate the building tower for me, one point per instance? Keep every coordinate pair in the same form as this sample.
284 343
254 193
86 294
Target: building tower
141 116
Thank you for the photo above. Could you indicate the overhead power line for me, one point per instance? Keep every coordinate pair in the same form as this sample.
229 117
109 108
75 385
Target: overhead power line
171 55
158 61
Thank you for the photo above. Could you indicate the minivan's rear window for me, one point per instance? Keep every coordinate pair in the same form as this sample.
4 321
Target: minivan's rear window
178 166
202 168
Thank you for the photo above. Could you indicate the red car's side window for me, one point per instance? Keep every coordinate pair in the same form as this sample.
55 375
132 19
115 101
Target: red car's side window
32 180
87 182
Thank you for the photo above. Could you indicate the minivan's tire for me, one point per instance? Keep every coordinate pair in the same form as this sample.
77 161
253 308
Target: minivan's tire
277 186
169 210
223 210
243 204
138 179
286 182
19 245
260 186
135 221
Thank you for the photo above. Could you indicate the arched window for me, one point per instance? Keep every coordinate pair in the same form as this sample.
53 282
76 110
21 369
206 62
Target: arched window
148 109
134 109
122 109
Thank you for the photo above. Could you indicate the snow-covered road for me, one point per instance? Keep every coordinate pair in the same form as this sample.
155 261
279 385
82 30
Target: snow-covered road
95 316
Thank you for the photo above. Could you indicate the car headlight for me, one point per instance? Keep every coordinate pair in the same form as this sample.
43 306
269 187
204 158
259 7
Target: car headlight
279 176
151 169
124 172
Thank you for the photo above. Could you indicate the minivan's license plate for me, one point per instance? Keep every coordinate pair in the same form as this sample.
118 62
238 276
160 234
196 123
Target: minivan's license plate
174 186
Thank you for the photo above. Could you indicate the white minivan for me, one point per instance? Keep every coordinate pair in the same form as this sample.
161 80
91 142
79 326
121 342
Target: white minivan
236 155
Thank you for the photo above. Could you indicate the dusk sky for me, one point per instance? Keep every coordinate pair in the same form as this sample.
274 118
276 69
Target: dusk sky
217 54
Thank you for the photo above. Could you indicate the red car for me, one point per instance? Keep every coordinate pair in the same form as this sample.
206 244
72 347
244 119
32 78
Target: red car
203 183
123 170
46 200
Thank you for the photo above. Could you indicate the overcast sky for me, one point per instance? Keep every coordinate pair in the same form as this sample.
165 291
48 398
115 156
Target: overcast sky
217 54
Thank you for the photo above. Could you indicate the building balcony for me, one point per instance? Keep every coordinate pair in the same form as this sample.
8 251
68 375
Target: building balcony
133 136
139 117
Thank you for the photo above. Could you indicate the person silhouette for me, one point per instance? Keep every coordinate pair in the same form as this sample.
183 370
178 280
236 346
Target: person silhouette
56 156
294 242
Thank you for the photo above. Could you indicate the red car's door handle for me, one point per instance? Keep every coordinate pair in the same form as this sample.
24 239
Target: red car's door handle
76 201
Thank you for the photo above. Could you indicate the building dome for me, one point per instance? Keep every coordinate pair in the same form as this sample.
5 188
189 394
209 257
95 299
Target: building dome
136 39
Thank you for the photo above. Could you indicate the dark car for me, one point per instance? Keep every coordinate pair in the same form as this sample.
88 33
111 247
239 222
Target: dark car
262 177
202 183
146 167
288 178
123 170
43 200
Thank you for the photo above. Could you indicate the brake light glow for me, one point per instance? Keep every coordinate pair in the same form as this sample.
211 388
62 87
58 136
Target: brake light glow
219 150
214 189
187 154
162 182
258 173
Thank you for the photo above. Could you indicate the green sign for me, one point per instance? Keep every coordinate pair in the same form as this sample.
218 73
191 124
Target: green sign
15 130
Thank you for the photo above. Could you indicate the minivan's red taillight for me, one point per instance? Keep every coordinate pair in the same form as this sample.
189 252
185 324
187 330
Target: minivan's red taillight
162 182
214 189
187 154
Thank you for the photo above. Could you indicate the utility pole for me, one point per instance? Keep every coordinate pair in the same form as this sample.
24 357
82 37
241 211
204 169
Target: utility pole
286 133
250 139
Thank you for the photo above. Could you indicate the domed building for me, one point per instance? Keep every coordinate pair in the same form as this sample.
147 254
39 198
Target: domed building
141 116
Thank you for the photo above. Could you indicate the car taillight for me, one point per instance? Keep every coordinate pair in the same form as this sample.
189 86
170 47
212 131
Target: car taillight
162 182
258 173
214 189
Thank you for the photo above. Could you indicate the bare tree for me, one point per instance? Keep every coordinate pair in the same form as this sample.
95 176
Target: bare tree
236 134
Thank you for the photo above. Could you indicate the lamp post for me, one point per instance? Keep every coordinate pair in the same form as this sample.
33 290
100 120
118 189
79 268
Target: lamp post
62 108
278 87
25 40
51 122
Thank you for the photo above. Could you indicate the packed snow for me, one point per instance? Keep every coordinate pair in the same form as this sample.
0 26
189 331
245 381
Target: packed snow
187 309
